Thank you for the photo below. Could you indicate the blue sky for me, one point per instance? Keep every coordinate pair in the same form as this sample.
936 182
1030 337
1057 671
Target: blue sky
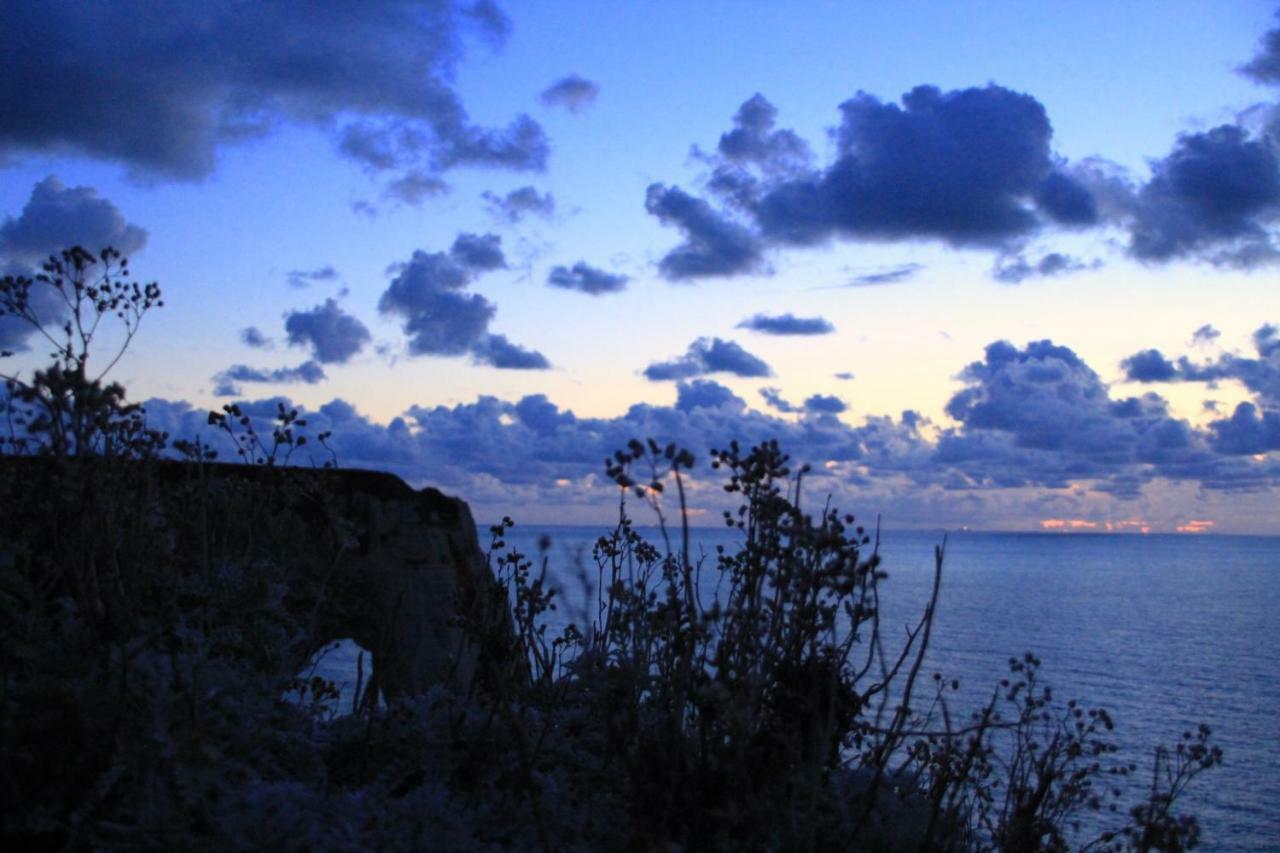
986 264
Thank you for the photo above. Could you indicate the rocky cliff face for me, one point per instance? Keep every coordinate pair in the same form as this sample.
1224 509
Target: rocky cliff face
359 554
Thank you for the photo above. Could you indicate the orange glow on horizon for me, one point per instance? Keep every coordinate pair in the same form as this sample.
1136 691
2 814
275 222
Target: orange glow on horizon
1196 525
1065 525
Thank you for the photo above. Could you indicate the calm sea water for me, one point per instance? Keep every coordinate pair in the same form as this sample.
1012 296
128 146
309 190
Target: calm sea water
1164 632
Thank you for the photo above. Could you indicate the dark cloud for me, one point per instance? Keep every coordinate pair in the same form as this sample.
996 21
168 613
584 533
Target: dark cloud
1032 417
1247 431
586 279
1014 269
1260 375
414 187
754 141
309 372
163 88
1041 416
709 355
787 324
1150 365
572 92
889 276
304 278
1211 198
519 203
497 351
1066 200
252 336
774 398
825 404
1205 334
1265 66
57 217
440 317
714 244
479 253
333 335
707 394
844 376
966 167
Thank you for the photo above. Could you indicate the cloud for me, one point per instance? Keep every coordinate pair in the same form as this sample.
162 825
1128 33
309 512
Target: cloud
754 140
787 324
572 92
1014 269
58 217
414 187
1247 431
1040 416
439 317
479 253
1205 334
252 336
586 279
969 167
774 398
894 275
1260 375
162 89
1212 199
519 203
497 351
309 372
714 245
43 301
1265 66
333 335
304 278
709 355
825 404
1028 419
1150 365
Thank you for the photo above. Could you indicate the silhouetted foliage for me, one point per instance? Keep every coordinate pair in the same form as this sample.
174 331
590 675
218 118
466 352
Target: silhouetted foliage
151 640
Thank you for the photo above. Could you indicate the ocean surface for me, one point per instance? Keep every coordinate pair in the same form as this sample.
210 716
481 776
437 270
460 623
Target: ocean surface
1163 631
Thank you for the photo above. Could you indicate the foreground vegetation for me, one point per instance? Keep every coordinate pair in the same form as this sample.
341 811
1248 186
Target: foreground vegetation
150 642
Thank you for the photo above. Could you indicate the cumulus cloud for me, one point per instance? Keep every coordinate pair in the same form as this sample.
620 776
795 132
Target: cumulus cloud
162 89
252 336
479 252
1030 417
225 383
440 318
304 278
414 187
333 335
572 92
1206 334
1041 416
1149 365
57 217
825 404
1265 66
1014 269
497 351
519 203
709 355
586 279
1212 198
969 167
755 141
774 398
714 244
787 324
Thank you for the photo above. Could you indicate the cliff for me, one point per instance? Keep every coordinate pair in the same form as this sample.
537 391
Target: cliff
350 553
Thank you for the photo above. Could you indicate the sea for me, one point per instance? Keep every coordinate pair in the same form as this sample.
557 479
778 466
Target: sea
1163 631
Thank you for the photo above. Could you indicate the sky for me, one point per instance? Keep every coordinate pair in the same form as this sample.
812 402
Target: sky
994 265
